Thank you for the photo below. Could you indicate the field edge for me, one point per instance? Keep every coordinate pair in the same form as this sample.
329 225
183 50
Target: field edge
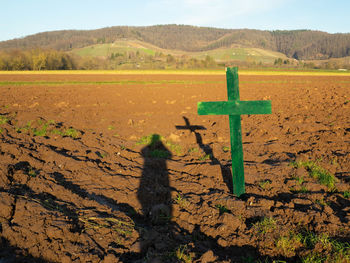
179 72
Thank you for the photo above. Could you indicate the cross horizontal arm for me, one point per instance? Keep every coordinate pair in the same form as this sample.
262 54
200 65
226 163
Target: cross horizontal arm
234 107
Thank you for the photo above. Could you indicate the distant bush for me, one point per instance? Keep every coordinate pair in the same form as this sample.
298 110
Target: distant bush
36 59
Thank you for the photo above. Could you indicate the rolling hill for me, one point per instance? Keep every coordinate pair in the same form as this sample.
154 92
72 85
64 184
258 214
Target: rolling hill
297 44
220 55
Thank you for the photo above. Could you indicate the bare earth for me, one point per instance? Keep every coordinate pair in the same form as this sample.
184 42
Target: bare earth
88 189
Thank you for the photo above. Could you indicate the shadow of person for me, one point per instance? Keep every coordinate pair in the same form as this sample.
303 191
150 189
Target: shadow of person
154 192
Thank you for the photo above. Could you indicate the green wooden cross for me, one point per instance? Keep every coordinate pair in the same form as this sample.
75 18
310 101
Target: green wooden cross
234 107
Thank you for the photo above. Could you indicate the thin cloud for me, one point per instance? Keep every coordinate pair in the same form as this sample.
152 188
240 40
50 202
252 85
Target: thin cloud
212 12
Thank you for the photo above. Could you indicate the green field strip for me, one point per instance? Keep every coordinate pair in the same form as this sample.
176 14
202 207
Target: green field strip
243 72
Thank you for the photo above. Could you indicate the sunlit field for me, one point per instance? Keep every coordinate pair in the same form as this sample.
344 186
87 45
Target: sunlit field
187 72
119 165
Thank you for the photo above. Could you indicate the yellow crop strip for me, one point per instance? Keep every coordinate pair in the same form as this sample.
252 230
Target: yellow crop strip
179 72
294 73
116 72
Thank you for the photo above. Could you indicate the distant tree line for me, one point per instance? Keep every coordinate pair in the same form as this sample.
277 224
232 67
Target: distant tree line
298 44
132 60
49 59
41 59
36 59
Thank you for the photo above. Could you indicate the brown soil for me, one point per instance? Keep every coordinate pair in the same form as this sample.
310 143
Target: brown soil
100 196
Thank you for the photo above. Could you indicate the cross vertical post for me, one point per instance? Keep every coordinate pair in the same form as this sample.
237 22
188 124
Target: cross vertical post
234 107
235 134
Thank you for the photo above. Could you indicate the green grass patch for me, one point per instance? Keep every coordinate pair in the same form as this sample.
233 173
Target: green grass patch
151 140
321 202
240 54
265 184
222 209
4 119
174 147
225 149
71 132
181 201
44 128
32 172
121 227
121 48
266 225
300 179
346 194
193 150
57 132
316 171
27 128
101 154
158 146
288 244
301 190
332 250
305 246
182 254
205 157
146 140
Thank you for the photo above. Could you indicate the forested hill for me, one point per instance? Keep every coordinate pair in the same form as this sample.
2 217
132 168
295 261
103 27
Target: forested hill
299 44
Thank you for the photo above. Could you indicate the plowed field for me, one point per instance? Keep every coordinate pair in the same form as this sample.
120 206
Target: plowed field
120 168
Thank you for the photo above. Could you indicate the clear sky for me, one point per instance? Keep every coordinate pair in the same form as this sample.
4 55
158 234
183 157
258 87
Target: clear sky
19 18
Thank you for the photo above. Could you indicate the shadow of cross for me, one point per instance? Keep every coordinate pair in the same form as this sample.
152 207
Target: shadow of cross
234 107
188 126
194 129
226 173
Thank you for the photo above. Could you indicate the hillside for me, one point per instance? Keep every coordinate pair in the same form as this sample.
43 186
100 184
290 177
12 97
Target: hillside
117 47
122 47
298 44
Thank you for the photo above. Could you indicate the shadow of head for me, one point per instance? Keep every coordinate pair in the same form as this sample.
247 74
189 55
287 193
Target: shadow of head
156 148
155 140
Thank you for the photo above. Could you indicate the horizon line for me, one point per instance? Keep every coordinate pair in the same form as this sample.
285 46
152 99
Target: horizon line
187 25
